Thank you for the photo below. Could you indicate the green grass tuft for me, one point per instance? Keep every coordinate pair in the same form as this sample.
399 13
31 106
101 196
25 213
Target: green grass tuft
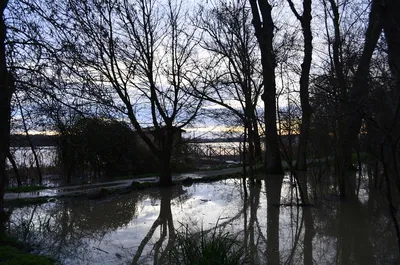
25 189
213 248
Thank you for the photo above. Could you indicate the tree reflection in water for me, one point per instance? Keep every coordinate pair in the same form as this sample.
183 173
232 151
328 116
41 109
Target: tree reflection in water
165 223
139 228
273 188
66 230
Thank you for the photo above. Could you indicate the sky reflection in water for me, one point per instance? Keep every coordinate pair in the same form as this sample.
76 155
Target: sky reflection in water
135 228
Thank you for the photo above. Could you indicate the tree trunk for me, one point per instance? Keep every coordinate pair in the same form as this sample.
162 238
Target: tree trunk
349 128
340 90
5 102
39 172
244 154
301 178
391 28
309 232
15 168
265 32
273 186
166 138
250 139
165 170
254 201
305 20
354 115
257 140
251 155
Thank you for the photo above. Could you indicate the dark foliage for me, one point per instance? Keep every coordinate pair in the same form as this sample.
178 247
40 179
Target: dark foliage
97 147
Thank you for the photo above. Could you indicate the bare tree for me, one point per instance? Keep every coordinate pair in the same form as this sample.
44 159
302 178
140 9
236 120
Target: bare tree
345 83
134 57
28 137
232 75
390 146
338 79
305 21
264 31
6 91
354 116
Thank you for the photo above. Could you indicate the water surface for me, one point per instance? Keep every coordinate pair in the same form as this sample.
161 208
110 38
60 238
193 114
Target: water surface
136 228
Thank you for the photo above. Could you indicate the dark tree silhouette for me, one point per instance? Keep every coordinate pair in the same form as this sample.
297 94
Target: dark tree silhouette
6 90
305 21
233 73
354 116
135 58
264 30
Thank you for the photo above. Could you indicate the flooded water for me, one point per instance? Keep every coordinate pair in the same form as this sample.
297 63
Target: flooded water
23 156
136 228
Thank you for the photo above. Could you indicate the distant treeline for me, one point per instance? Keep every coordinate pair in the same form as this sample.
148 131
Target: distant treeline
22 140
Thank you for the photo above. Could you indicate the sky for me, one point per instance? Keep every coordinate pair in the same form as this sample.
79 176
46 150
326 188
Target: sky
286 24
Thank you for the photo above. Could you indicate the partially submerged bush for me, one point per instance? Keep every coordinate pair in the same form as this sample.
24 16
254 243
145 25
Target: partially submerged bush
95 147
213 248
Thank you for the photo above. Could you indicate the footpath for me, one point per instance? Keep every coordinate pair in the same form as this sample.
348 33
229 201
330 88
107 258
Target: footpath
75 190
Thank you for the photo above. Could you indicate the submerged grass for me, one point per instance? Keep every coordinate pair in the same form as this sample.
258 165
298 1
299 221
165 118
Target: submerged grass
25 189
212 248
13 252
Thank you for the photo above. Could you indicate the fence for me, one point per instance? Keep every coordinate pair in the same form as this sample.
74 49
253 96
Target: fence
214 151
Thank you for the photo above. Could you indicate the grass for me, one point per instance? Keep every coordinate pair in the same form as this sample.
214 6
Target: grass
25 189
213 248
364 157
13 252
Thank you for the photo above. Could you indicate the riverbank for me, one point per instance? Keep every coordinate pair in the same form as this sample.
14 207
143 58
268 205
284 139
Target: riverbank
104 189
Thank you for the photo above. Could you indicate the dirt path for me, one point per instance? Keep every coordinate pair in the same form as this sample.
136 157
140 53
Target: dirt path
119 184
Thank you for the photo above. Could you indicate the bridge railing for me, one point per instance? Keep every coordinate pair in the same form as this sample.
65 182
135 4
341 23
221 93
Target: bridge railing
214 151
